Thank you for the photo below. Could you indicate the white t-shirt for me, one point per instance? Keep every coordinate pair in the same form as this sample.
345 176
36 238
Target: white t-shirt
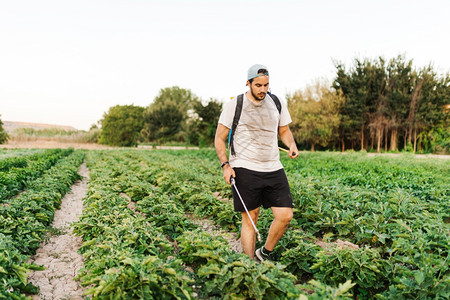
256 136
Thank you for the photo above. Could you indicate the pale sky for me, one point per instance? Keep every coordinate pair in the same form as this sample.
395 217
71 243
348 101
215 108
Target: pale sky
68 62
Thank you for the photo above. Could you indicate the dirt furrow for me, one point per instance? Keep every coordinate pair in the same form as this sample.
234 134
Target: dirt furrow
59 254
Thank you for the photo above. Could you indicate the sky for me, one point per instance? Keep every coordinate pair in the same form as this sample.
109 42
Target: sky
67 62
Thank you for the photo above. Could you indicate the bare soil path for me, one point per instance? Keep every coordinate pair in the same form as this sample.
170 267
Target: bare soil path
59 254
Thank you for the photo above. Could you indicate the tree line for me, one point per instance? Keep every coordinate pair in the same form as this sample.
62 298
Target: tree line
372 105
393 105
375 105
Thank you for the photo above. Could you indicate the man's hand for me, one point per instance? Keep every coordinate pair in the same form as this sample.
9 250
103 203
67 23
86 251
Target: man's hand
228 172
293 151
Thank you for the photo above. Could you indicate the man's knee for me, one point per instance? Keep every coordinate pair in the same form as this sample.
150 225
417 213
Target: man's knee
254 215
289 216
285 216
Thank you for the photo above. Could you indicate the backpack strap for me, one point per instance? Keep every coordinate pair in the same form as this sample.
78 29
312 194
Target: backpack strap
276 101
237 116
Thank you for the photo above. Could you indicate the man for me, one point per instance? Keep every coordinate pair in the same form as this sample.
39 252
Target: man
255 165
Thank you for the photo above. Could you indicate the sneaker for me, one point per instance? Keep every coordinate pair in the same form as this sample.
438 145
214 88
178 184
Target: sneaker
262 256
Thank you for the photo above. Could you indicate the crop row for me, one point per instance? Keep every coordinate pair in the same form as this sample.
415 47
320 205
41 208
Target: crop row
16 157
157 251
26 218
17 172
14 153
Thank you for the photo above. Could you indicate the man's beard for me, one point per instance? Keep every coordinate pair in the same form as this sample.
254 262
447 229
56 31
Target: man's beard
259 98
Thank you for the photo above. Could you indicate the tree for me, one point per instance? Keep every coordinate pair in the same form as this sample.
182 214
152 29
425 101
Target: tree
350 112
163 123
165 119
355 84
121 125
315 114
364 89
3 135
400 79
202 122
432 115
377 105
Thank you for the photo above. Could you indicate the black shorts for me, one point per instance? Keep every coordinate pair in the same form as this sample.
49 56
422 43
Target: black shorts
269 189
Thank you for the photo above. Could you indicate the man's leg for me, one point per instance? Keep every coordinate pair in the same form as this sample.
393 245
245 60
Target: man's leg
248 234
282 218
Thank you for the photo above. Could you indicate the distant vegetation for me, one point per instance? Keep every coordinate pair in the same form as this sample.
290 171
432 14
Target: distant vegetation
3 134
55 134
121 125
375 105
371 105
175 116
393 105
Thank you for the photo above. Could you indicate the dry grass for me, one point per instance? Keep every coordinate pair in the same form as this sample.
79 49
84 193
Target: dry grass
51 144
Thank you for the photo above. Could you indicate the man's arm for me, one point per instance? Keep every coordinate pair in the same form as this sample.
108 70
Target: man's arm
288 139
221 150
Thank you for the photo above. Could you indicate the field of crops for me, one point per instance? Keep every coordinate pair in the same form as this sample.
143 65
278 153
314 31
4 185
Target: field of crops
363 227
